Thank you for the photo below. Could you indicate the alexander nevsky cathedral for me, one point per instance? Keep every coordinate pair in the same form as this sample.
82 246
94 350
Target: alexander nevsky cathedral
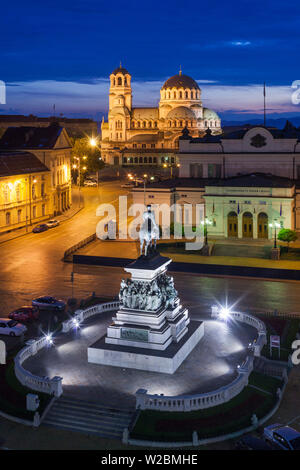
149 136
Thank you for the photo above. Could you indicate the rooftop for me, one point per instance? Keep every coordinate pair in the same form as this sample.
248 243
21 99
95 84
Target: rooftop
30 137
18 163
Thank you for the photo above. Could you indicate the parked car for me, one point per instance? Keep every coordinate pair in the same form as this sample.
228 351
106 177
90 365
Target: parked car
127 185
26 313
40 228
285 437
89 183
11 327
252 443
52 223
48 302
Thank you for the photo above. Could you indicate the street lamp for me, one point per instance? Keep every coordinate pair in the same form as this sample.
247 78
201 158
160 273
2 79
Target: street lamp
145 176
275 225
206 222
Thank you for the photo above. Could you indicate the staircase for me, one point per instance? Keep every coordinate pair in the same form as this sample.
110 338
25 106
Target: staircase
245 251
88 417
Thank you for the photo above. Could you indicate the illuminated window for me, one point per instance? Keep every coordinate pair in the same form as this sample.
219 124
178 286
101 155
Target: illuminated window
33 191
18 192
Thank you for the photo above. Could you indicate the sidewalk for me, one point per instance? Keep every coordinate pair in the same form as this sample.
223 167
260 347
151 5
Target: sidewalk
21 232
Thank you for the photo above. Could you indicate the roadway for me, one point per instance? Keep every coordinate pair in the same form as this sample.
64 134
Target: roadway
31 266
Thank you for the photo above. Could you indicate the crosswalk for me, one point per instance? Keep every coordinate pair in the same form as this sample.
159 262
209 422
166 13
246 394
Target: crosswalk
88 417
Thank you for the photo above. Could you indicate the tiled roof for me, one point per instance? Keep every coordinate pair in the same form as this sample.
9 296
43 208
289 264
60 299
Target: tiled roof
30 137
263 180
18 163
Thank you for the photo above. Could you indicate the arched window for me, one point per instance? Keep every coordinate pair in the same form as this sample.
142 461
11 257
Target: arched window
150 159
7 218
205 123
144 124
136 160
145 160
132 124
174 95
149 124
119 81
169 95
180 123
192 95
139 124
186 95
180 94
141 160
155 124
6 194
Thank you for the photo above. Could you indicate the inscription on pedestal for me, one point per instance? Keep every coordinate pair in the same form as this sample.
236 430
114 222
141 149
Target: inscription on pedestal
135 334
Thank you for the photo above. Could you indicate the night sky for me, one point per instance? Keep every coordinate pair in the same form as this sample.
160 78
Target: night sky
62 52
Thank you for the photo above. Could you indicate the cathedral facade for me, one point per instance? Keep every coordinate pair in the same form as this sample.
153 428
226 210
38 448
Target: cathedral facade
149 135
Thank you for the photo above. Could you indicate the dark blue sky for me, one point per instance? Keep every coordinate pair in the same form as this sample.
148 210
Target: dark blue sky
237 43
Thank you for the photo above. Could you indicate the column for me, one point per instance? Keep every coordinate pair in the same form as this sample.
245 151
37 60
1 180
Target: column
240 225
254 221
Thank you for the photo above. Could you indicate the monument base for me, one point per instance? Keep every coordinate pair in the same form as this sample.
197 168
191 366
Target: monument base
166 361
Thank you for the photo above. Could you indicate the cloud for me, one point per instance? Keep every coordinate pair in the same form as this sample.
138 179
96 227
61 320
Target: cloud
240 43
90 98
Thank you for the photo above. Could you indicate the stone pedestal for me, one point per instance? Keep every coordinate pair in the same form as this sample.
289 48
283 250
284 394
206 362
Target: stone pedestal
151 330
275 253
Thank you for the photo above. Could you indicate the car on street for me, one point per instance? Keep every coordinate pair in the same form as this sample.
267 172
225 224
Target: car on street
23 314
285 437
11 327
127 185
52 223
249 442
48 302
40 228
90 183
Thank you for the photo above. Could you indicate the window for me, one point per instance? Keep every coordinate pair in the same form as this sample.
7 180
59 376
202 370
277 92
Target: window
6 194
18 192
214 170
196 170
232 202
186 95
19 215
7 218
33 191
119 81
134 146
144 124
43 189
247 202
143 146
34 212
43 210
132 125
180 94
153 146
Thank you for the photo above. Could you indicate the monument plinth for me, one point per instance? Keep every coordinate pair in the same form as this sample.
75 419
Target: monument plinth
151 330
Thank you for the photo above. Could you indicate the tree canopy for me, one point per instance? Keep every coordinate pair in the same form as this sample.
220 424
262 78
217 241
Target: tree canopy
287 235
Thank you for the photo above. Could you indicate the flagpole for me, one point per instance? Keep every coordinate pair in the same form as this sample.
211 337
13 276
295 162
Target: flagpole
265 104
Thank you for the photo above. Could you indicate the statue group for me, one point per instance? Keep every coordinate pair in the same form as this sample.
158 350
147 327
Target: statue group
149 232
148 296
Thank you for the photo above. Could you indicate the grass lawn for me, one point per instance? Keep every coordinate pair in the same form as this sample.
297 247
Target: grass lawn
13 393
220 420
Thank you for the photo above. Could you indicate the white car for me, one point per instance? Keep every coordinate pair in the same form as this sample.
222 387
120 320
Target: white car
127 185
285 437
89 183
11 327
52 223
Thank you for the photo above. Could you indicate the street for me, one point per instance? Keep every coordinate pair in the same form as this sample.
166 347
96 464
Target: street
32 266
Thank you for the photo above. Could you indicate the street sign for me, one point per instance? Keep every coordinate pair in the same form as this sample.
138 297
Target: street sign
274 343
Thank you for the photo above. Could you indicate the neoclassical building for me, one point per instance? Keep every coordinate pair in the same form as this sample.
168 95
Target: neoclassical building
149 136
246 181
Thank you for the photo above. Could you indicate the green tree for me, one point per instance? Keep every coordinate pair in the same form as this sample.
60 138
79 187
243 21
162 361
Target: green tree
83 148
287 235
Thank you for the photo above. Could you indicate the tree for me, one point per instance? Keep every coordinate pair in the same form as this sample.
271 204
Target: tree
287 235
82 148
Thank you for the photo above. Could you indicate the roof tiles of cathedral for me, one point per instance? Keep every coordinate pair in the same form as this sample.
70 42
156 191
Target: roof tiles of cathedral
181 81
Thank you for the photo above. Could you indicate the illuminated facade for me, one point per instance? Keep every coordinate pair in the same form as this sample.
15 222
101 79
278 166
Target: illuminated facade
149 135
52 147
25 190
246 180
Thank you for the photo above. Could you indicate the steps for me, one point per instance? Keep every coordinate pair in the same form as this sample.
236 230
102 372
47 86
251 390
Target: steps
88 417
245 251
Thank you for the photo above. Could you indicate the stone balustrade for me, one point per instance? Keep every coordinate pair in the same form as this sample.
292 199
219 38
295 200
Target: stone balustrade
145 401
52 386
81 315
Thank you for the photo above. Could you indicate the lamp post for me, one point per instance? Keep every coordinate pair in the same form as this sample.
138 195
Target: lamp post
145 176
275 225
206 222
171 166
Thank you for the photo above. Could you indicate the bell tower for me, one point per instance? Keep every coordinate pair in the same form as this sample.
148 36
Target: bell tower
120 93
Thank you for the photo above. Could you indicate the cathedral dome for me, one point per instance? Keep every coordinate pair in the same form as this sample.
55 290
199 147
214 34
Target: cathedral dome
181 112
181 81
210 114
